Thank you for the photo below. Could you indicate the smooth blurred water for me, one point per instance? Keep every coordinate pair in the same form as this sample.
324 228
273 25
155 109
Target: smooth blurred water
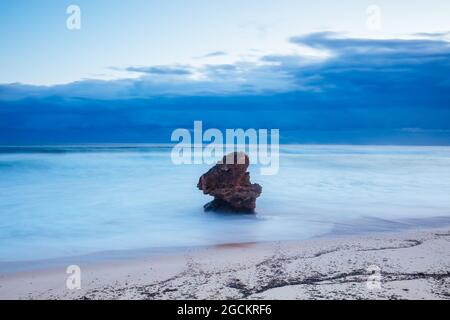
58 202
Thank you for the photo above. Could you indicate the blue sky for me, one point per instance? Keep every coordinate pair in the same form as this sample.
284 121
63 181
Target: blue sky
138 69
37 48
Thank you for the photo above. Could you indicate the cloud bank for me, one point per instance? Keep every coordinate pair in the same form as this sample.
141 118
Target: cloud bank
387 91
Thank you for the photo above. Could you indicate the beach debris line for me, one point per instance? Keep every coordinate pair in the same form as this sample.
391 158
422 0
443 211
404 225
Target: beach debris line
229 183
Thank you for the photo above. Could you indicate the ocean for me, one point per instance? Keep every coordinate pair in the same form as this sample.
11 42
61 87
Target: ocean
65 201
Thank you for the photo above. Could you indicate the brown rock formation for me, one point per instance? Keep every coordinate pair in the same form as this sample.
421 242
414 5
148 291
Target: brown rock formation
229 183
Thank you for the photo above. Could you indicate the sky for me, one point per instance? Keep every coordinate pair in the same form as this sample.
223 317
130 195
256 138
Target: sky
37 48
137 69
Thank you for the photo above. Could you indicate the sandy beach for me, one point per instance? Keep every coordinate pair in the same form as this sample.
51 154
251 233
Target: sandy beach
407 265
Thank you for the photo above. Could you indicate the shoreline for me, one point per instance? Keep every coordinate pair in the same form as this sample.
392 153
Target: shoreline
412 264
365 226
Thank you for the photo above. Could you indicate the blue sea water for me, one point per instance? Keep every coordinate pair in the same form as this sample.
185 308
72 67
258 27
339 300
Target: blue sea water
67 201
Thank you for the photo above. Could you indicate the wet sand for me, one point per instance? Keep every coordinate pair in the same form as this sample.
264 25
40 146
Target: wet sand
406 265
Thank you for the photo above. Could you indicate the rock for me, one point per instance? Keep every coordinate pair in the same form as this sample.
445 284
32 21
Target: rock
229 183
